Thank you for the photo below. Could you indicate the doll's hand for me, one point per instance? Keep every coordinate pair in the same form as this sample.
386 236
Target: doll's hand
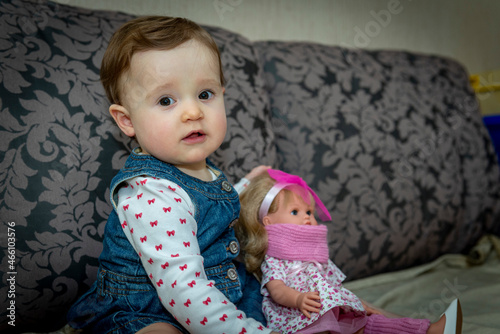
256 172
307 302
371 309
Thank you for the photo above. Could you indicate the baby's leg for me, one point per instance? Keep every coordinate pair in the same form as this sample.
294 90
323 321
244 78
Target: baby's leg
159 328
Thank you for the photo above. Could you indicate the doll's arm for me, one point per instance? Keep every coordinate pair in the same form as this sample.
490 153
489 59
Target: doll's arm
306 302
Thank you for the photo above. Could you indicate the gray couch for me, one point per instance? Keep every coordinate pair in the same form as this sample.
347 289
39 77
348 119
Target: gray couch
392 141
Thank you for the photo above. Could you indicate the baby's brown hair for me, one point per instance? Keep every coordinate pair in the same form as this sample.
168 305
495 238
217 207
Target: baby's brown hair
144 34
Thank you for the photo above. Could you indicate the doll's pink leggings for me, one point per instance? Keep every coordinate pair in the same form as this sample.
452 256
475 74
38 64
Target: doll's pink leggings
378 324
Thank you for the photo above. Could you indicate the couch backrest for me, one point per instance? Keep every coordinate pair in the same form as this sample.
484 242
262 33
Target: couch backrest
59 148
394 144
391 141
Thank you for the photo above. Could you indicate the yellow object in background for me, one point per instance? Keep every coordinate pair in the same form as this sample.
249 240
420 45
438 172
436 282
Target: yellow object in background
487 88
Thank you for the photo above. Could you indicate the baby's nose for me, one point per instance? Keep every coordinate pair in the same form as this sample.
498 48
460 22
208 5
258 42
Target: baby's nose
192 112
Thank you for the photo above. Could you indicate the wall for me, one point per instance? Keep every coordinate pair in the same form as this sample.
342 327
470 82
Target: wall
463 29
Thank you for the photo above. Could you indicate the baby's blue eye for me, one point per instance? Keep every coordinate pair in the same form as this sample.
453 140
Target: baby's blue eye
294 212
166 101
205 95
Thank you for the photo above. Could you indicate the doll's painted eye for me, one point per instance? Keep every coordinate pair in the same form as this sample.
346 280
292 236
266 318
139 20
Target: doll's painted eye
309 213
294 212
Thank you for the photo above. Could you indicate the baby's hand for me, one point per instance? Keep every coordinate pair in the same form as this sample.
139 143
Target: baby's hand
256 172
306 302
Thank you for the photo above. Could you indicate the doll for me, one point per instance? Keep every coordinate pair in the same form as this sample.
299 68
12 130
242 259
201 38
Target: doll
283 245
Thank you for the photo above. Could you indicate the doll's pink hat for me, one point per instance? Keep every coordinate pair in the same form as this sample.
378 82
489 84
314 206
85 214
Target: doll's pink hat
295 184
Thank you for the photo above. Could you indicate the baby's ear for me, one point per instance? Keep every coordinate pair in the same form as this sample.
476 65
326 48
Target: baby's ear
122 118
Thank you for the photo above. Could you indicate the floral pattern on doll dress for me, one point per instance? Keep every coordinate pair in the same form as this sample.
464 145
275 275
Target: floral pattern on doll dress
305 276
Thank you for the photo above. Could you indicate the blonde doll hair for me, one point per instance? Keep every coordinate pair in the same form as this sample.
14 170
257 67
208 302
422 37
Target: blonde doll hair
249 230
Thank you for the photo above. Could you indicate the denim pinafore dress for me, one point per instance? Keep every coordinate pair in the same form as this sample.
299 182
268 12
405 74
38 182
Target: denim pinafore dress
123 300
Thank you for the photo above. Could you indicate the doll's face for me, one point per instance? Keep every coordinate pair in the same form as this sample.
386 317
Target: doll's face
294 211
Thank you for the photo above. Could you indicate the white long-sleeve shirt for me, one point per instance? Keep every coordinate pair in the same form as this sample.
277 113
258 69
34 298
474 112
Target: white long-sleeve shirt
157 217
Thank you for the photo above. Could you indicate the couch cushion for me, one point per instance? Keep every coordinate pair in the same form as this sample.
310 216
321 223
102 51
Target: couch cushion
59 147
394 144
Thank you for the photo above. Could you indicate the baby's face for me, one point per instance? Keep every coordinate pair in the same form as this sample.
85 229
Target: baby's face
296 212
175 102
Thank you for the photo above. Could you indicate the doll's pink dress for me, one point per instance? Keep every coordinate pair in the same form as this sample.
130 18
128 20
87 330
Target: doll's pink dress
298 255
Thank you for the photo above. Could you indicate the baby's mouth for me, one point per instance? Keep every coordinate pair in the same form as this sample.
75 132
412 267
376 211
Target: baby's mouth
195 136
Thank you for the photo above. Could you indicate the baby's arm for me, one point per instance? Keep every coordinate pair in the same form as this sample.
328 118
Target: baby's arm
245 181
159 223
306 302
256 171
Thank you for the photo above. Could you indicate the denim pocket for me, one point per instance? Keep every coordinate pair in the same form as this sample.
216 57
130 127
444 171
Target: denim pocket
129 293
86 310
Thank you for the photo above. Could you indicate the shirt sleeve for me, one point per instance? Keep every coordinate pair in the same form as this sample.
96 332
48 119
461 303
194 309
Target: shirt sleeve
241 185
157 216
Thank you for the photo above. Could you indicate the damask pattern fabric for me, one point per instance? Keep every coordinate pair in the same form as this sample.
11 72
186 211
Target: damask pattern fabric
59 148
393 144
